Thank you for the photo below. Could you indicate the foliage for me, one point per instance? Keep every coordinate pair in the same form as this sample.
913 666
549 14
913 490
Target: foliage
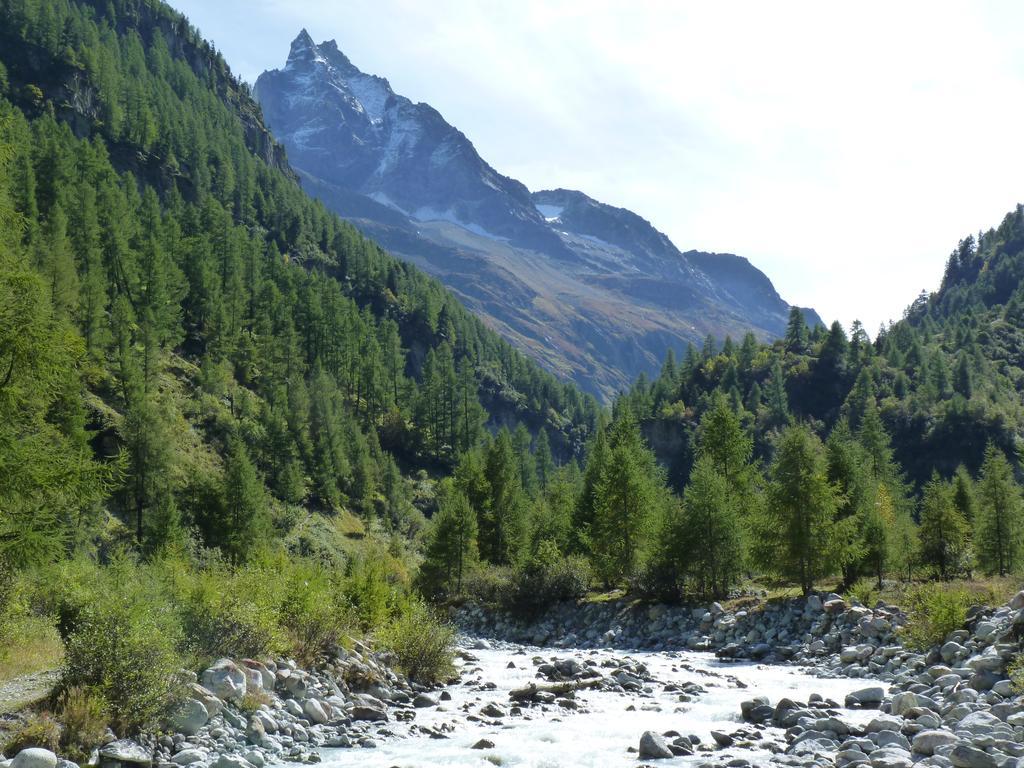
933 612
421 643
545 578
124 646
82 713
34 730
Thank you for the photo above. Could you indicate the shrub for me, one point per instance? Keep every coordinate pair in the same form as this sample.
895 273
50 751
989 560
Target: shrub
421 643
546 578
231 615
1015 671
489 586
864 591
124 647
367 590
933 612
312 613
36 730
83 712
253 699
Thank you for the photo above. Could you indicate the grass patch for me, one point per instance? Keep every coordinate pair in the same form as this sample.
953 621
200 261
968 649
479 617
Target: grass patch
35 646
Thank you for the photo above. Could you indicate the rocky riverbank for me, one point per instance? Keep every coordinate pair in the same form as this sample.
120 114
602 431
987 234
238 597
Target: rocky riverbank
247 714
844 693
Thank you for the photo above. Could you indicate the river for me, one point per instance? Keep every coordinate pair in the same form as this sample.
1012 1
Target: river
611 723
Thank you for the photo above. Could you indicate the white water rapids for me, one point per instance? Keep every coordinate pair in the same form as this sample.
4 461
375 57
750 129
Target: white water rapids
598 737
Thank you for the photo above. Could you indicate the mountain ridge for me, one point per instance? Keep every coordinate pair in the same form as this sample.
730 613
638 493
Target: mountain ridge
571 289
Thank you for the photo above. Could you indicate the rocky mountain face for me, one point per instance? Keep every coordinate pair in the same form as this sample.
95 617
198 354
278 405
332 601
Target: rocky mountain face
594 292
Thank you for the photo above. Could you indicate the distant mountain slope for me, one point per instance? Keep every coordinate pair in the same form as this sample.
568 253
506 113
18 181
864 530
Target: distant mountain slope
593 291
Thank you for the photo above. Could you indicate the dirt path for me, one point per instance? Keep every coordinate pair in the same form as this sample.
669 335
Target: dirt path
20 692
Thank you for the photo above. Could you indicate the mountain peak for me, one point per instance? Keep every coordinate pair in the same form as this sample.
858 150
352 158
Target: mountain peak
303 48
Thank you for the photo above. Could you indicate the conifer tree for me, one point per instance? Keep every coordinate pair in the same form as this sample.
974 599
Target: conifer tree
709 541
797 533
943 529
998 523
452 547
626 496
245 504
505 514
545 463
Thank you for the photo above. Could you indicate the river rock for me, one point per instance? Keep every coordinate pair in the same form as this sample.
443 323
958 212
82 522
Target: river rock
231 761
34 757
653 747
315 711
966 756
225 680
483 744
366 707
124 753
865 698
492 710
424 700
926 741
188 757
189 716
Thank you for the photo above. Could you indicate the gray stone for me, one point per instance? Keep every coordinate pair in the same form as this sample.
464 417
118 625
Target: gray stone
483 744
225 680
231 761
966 756
653 747
926 741
315 711
189 716
34 757
423 700
865 697
365 707
188 756
492 710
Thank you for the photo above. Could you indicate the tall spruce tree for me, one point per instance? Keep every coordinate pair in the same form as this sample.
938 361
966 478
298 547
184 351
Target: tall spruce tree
999 525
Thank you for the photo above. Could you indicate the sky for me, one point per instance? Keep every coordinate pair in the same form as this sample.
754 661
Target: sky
843 148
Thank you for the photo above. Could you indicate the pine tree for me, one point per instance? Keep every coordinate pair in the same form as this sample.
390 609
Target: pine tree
776 397
545 463
963 494
943 529
710 539
245 504
452 547
797 337
626 496
998 523
505 515
797 534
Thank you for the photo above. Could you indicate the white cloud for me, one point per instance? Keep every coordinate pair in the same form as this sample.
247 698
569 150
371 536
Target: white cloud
843 149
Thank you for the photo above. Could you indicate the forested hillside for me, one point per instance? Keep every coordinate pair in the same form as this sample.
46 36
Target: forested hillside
190 342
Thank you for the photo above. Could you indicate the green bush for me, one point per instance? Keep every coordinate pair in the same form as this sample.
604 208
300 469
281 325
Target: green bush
231 614
421 643
933 611
864 591
83 713
35 730
1015 671
546 578
315 617
124 646
488 587
367 590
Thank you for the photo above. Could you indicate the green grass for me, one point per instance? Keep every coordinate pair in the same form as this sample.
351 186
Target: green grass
36 647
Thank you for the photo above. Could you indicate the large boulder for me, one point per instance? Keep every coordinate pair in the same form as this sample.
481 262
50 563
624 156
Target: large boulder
365 707
865 698
316 712
124 754
34 757
226 680
966 756
653 747
189 716
926 741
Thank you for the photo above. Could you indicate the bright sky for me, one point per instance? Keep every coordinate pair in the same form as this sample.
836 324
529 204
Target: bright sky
843 148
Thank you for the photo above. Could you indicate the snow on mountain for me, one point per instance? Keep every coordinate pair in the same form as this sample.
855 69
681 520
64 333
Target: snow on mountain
593 291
